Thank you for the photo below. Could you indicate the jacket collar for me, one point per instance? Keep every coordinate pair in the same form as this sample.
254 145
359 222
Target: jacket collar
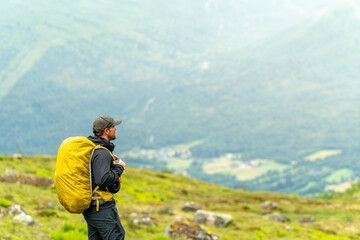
102 142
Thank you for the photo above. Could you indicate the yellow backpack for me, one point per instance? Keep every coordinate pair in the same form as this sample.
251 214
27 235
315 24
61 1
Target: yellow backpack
73 175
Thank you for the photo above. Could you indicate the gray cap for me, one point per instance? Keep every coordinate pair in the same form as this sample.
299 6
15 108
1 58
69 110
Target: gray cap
105 121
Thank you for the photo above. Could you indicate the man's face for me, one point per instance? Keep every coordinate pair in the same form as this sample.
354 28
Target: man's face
112 133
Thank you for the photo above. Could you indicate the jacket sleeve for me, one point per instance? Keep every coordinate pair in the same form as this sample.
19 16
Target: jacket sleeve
114 188
102 162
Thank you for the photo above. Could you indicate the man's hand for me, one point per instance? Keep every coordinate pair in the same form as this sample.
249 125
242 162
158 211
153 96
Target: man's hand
120 162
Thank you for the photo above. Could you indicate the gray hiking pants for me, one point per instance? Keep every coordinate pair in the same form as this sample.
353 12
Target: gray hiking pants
104 224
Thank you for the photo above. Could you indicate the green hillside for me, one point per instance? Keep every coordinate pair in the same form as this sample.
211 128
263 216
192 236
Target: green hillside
150 191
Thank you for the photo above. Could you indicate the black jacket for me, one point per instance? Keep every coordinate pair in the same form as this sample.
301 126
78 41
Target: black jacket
101 165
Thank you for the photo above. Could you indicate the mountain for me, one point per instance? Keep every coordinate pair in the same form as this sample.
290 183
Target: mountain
184 73
158 197
57 57
303 86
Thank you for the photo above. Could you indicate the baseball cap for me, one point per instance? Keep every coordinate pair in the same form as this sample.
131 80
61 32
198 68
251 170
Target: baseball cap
105 121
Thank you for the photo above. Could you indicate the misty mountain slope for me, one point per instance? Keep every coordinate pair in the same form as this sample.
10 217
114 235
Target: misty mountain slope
303 86
30 28
57 58
303 81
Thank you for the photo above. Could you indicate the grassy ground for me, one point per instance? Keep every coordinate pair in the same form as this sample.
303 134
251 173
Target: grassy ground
150 191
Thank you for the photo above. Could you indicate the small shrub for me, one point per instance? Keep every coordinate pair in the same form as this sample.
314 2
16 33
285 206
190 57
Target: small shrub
5 203
5 158
47 213
9 197
45 173
245 208
296 228
281 233
161 176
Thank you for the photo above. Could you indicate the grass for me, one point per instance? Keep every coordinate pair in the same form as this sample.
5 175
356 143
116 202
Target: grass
226 166
321 155
178 164
339 175
150 191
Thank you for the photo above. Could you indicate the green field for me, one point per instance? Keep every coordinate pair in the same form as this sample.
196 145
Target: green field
340 175
243 171
321 155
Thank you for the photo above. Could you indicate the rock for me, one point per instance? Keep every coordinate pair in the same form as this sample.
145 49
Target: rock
25 219
191 207
269 205
6 238
145 214
212 219
11 171
276 217
12 210
143 221
20 215
15 210
17 156
133 215
166 210
307 219
188 230
41 234
286 202
28 179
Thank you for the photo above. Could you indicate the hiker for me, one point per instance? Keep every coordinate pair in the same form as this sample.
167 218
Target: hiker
102 217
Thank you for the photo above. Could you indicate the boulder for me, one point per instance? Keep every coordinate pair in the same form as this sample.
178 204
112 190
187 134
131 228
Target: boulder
166 210
269 205
28 179
143 221
19 215
25 219
276 217
307 219
42 234
189 230
133 215
15 210
212 219
191 207
12 210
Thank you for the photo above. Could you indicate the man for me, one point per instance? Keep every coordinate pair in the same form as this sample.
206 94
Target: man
104 222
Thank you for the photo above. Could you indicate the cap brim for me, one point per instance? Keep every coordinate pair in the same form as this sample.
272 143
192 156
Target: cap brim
117 121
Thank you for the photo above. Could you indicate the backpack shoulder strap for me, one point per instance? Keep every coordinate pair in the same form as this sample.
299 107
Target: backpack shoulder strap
99 146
